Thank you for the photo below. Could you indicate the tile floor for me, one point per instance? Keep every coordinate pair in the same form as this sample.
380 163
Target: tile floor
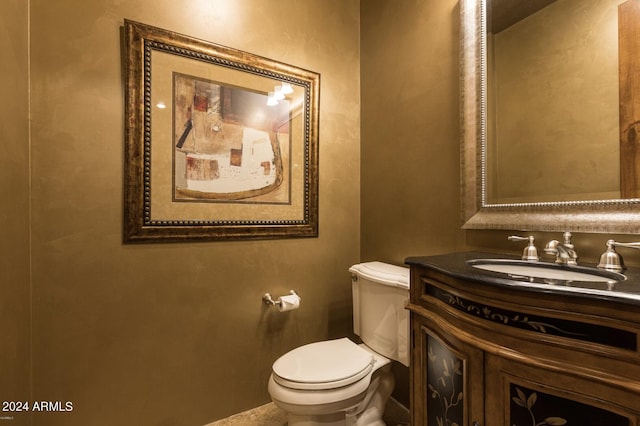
270 415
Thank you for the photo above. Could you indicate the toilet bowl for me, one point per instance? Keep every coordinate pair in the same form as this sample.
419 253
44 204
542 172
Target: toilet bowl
338 382
348 380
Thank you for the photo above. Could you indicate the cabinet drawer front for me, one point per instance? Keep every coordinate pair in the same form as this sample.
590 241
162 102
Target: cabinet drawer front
587 332
497 313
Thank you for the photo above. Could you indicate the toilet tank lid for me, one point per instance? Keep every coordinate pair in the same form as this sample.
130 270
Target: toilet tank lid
383 273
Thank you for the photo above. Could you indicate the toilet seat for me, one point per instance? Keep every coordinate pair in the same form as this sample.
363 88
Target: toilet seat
323 365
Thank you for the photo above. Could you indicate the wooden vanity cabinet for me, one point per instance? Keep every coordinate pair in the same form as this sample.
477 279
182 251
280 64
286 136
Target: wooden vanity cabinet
486 355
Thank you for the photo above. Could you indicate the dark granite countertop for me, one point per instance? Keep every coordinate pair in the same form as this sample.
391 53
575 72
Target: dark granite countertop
455 265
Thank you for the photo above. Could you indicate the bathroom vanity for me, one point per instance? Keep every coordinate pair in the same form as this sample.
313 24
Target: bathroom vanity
504 349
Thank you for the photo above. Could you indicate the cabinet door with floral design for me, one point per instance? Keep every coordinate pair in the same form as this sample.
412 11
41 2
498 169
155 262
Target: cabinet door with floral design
522 395
450 378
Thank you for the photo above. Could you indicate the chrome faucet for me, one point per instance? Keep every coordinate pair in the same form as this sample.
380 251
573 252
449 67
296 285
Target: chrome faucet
565 252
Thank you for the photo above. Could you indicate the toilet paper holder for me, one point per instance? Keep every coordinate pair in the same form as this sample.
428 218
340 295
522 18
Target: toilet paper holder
268 300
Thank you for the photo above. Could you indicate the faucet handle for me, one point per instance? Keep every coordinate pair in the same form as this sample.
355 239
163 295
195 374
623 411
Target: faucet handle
567 239
530 252
610 259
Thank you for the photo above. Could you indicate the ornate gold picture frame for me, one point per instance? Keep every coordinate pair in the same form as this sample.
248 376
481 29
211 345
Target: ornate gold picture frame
220 144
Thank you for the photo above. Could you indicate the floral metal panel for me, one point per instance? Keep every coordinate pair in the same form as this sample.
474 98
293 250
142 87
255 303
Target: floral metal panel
445 381
534 408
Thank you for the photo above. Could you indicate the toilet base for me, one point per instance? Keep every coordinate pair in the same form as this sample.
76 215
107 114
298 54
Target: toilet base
366 409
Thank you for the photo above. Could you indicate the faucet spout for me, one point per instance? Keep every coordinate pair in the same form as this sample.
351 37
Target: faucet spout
564 252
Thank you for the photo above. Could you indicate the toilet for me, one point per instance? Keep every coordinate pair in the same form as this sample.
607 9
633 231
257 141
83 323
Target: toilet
338 382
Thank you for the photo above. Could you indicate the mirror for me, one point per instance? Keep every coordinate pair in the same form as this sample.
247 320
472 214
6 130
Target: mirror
552 101
501 191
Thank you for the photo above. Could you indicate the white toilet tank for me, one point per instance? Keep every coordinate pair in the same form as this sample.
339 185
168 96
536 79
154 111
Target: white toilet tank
380 294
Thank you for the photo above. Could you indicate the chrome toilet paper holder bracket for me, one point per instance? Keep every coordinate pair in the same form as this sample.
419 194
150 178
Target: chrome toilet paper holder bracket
268 300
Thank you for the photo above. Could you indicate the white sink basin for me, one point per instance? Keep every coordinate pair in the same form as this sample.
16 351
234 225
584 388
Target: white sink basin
520 269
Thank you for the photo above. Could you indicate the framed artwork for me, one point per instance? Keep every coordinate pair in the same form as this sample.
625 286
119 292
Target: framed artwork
220 144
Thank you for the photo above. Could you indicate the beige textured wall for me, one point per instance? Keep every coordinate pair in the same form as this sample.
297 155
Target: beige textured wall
14 208
410 125
175 334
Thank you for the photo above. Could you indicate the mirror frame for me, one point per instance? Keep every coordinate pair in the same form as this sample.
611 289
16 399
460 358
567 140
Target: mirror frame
621 216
